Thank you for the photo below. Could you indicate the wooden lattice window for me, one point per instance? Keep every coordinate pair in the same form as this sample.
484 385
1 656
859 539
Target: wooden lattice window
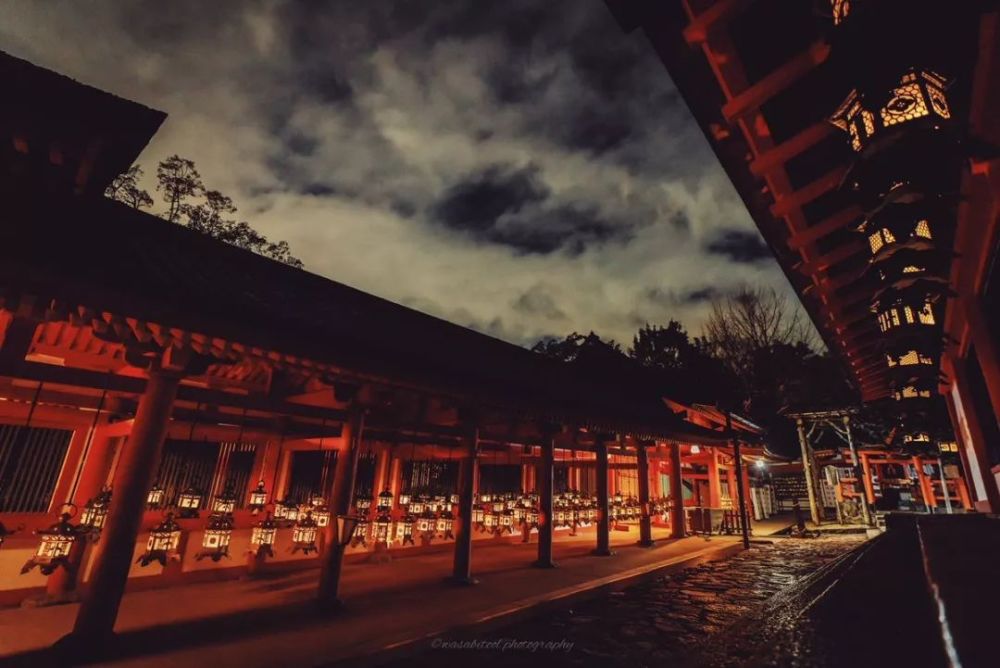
30 461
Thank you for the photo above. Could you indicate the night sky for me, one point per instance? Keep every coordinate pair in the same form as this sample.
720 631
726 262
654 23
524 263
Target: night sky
520 167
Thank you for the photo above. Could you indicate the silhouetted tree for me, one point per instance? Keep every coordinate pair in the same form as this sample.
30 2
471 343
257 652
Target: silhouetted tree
190 203
125 188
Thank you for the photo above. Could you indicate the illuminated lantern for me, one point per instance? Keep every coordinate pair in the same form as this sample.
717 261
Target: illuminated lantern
217 537
426 523
453 499
416 506
506 519
164 540
316 499
224 503
304 535
404 530
478 515
520 513
264 535
617 499
404 499
55 545
96 511
363 504
286 511
321 515
189 502
384 503
258 498
446 525
498 505
154 499
490 521
485 497
560 517
381 526
531 518
360 535
917 438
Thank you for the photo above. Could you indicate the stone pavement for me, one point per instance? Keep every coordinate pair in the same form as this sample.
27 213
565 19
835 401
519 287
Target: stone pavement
659 622
273 621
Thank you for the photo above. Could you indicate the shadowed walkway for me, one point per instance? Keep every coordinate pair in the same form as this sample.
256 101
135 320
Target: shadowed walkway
248 623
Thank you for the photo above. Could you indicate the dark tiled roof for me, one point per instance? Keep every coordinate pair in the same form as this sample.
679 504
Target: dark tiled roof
101 254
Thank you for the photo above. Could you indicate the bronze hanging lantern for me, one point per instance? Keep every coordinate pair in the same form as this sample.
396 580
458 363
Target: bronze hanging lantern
164 541
155 497
384 502
55 544
304 535
258 497
189 502
404 500
217 537
224 503
95 512
264 535
380 529
404 530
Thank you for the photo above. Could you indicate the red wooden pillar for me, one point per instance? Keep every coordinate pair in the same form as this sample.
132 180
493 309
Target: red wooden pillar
645 519
545 476
677 528
95 620
93 476
603 548
345 473
468 471
714 480
867 474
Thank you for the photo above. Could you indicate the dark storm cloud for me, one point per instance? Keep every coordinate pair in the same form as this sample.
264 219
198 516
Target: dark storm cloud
740 246
476 204
519 166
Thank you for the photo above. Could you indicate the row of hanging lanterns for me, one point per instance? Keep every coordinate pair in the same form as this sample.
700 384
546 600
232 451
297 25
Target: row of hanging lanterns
907 161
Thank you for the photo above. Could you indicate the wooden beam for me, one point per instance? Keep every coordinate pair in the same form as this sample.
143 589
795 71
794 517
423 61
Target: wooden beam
837 221
785 204
777 81
776 157
717 14
836 256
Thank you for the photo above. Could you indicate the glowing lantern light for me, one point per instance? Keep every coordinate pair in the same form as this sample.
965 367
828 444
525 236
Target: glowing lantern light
446 525
56 543
164 540
258 498
363 504
304 535
384 503
360 534
96 511
404 499
189 503
381 527
154 499
224 503
217 537
478 515
264 535
416 506
404 530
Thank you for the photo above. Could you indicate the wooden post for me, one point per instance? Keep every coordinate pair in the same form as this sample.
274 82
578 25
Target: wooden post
545 474
95 619
740 493
340 497
714 479
603 548
869 488
468 471
807 469
645 519
677 528
858 472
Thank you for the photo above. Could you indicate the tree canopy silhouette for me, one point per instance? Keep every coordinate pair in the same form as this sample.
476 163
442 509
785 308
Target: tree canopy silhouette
188 202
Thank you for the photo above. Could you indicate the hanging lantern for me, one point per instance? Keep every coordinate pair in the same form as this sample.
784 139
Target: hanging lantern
416 506
404 530
404 499
520 513
264 535
498 505
217 537
446 525
478 515
96 512
384 503
485 497
321 515
155 496
360 536
363 504
560 517
490 521
316 499
164 540
258 497
531 518
453 499
382 524
286 511
427 523
55 544
224 503
506 519
304 535
189 502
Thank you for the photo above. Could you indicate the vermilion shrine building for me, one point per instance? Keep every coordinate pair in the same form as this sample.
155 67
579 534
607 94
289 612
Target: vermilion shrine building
146 369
